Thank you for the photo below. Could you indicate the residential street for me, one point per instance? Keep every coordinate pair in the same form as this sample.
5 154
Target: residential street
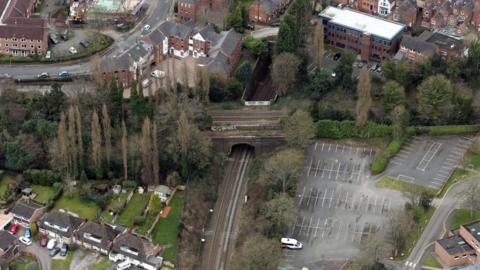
435 228
42 255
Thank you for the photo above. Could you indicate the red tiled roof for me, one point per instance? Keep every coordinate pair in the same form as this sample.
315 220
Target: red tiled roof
34 29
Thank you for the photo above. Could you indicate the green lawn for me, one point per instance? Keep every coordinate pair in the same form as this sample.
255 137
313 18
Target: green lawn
462 216
115 203
78 206
63 264
4 184
402 186
432 262
21 263
133 209
44 193
102 264
166 231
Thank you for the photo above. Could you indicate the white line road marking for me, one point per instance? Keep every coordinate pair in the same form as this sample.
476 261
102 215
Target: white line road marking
323 170
315 146
324 195
309 226
396 163
323 145
309 196
346 200
301 226
316 198
338 170
310 167
316 171
406 178
316 228
329 146
336 147
330 171
331 199
428 156
301 197
324 227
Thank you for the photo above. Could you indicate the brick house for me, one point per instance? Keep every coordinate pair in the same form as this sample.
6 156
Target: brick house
94 236
405 13
187 10
373 38
59 224
264 11
461 247
26 212
368 6
137 250
19 34
9 249
448 46
416 49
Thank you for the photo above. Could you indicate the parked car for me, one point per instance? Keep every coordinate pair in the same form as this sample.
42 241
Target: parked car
275 24
337 56
43 240
158 73
63 74
334 74
64 250
379 69
72 50
85 44
146 83
65 35
250 26
291 243
146 27
14 228
124 265
48 55
374 67
51 244
24 240
54 251
360 64
43 75
54 38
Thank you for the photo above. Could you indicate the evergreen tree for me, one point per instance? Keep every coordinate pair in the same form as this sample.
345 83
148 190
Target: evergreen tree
96 145
286 39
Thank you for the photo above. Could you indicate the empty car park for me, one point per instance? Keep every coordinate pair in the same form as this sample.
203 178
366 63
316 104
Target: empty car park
429 161
338 206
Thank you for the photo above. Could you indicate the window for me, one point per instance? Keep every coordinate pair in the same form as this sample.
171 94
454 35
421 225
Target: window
129 250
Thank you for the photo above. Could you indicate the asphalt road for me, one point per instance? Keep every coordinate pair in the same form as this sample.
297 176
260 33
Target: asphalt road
222 232
43 257
240 117
435 228
157 12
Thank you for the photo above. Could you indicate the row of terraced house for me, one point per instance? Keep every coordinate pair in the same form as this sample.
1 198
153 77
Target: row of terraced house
116 242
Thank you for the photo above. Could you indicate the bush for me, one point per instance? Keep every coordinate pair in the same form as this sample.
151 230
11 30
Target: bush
379 164
139 220
129 184
348 129
42 177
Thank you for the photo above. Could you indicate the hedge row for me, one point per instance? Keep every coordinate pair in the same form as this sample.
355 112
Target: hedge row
42 177
381 161
347 129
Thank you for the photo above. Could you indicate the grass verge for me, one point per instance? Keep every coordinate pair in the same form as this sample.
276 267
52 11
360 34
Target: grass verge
102 264
430 261
402 186
166 231
21 263
462 216
78 206
472 161
4 184
62 264
417 231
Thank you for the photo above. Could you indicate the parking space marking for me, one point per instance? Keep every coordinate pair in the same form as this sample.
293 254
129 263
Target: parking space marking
331 199
324 196
301 196
330 171
323 145
315 146
329 146
316 228
395 162
428 156
310 167
338 170
406 178
316 170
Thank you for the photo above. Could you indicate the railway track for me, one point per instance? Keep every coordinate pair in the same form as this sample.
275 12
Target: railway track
222 232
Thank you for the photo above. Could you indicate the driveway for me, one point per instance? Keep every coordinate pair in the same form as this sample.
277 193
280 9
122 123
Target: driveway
81 262
265 32
43 257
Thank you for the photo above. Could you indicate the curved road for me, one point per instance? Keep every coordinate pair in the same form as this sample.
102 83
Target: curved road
217 250
435 228
158 11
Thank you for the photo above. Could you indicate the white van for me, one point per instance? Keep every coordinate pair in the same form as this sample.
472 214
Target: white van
124 265
291 243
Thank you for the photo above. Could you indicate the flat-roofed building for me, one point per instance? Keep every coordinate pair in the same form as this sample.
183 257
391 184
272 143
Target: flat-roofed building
373 38
454 251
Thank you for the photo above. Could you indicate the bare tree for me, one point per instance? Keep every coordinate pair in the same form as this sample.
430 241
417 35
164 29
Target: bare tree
72 142
364 101
155 157
125 150
107 133
401 225
284 72
318 45
96 144
62 139
80 149
146 148
372 251
472 198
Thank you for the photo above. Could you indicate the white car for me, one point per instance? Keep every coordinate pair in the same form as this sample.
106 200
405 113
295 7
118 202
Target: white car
291 243
146 83
334 74
48 55
25 240
51 244
158 73
72 50
146 27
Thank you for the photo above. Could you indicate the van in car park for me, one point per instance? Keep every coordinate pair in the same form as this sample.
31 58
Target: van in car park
291 243
124 265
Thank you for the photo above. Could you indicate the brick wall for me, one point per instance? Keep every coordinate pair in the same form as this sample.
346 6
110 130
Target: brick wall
449 259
